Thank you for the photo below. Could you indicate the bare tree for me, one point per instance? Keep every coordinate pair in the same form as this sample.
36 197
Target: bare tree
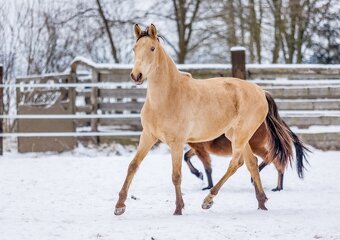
108 31
184 24
292 26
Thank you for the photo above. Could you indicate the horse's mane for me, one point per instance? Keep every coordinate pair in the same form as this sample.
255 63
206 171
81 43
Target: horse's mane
145 33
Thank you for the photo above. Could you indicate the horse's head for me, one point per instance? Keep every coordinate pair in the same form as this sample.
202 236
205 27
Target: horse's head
145 52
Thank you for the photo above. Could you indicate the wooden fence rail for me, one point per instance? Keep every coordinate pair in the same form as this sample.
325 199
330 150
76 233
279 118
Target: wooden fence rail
101 101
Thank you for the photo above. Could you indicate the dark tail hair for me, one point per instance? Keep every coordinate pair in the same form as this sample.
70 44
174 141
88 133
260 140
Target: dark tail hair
301 152
282 138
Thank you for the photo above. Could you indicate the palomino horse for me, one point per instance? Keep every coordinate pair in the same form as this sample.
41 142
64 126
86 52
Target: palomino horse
179 109
258 143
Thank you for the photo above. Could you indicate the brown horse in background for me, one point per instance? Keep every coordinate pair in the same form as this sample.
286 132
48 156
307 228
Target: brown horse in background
179 109
259 144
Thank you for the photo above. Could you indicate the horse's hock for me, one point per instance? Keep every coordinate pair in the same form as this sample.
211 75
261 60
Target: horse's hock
43 102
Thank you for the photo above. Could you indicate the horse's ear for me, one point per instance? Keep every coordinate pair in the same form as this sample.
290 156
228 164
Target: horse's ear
152 31
137 30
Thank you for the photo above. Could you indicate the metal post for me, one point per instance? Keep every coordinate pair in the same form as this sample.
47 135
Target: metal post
238 62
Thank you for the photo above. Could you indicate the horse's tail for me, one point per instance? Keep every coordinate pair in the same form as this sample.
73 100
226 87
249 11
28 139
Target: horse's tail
300 152
280 140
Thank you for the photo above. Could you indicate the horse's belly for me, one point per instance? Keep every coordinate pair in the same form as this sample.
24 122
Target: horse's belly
208 130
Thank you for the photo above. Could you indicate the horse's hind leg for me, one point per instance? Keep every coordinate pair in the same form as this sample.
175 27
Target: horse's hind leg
279 181
253 168
280 173
193 170
204 156
261 166
145 144
235 163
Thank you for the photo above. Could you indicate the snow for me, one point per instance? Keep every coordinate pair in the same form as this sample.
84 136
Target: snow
72 196
107 66
294 66
285 81
317 129
315 87
112 66
237 48
310 113
187 67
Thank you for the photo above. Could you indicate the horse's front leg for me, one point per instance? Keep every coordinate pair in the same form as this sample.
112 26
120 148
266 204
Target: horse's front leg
176 154
145 144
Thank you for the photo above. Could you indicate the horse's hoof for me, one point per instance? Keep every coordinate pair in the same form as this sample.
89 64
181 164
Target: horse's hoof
262 200
119 211
207 188
178 212
200 176
208 201
207 205
263 207
276 189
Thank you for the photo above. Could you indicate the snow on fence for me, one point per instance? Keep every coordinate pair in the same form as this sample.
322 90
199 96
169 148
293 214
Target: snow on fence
102 102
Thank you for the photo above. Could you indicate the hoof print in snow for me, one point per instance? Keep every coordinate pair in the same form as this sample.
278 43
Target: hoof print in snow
134 197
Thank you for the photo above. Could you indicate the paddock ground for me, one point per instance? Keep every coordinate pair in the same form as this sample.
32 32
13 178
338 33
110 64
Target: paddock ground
72 196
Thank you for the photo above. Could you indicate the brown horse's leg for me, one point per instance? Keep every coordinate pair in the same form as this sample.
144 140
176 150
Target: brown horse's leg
262 166
203 155
176 154
235 163
279 182
253 168
193 170
280 173
145 144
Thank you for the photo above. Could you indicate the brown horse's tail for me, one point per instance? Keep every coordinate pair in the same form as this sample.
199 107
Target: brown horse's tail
301 152
280 140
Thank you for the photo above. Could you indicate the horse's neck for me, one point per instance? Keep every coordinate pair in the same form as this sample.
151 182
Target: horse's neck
163 81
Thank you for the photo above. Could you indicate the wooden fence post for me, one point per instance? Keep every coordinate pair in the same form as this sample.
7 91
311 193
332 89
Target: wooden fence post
1 109
96 78
238 62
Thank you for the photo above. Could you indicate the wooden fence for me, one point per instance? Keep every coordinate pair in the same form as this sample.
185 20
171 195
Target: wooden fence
104 104
1 108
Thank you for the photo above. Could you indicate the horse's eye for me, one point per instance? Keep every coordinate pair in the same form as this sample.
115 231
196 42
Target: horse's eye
152 49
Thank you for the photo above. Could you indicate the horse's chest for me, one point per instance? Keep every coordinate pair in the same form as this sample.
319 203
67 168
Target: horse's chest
163 125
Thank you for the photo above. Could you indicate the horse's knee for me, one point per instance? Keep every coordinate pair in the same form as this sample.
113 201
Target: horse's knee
176 178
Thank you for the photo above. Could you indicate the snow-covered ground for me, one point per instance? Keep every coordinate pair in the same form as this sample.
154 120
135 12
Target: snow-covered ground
72 196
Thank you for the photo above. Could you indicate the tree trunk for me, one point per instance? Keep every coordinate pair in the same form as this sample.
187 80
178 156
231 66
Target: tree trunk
242 24
231 31
255 31
277 4
107 29
184 25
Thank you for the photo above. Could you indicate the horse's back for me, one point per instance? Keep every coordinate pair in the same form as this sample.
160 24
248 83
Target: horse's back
221 103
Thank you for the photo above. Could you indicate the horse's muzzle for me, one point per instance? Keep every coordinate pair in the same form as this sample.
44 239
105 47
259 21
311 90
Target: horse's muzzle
138 80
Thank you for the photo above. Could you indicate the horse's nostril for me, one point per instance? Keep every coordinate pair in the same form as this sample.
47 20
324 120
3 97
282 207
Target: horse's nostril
133 77
139 77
